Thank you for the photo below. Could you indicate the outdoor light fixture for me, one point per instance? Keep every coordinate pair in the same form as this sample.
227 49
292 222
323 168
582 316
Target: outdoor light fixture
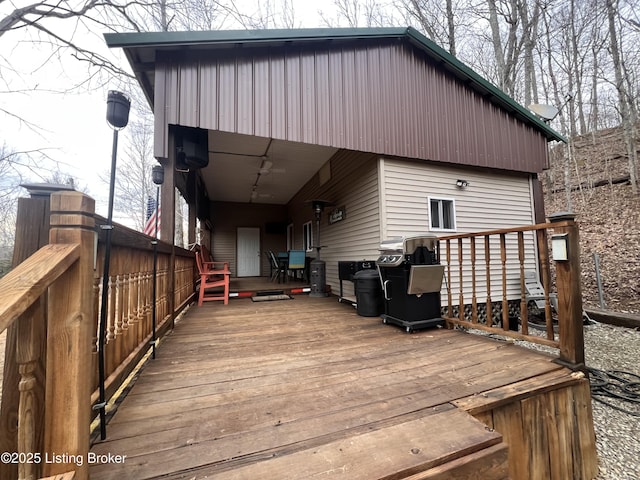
118 106
560 247
462 183
157 175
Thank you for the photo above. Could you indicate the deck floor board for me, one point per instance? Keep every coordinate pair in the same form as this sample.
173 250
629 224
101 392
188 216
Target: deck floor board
235 385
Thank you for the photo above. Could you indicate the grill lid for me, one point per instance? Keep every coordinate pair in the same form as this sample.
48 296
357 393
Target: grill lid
393 250
391 245
428 240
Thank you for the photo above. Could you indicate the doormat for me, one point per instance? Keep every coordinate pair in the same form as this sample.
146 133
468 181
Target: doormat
268 298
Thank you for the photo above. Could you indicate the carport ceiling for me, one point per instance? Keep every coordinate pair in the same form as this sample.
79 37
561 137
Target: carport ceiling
248 169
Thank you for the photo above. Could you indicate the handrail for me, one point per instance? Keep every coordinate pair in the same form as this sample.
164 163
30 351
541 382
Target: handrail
523 228
493 278
29 280
49 308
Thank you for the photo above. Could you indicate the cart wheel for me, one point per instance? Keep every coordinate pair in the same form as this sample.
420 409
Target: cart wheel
384 320
409 330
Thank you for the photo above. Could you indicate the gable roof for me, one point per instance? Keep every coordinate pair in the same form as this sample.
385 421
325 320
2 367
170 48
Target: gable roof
141 50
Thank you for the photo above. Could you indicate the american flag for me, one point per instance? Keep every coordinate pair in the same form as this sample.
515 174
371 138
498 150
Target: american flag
150 225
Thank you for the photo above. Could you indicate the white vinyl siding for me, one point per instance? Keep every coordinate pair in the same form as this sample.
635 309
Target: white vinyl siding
354 186
492 201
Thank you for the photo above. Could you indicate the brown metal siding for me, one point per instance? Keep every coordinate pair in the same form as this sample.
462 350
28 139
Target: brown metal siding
386 98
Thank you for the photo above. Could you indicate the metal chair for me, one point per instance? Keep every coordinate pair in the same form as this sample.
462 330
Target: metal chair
296 263
278 270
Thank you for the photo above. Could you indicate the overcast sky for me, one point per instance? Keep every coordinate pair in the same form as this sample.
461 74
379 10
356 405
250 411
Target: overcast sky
71 127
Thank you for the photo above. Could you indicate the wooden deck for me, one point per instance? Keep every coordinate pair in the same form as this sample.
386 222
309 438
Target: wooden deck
306 388
247 285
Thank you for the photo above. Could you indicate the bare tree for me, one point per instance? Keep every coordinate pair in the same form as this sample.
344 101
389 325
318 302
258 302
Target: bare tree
10 179
440 21
627 103
357 13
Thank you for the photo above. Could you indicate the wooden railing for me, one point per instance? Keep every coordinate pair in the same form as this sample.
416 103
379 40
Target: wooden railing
485 285
50 309
129 299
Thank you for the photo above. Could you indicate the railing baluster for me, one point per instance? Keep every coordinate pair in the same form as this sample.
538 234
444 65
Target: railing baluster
29 348
449 293
487 262
505 302
461 282
474 297
524 317
121 351
126 310
94 329
111 361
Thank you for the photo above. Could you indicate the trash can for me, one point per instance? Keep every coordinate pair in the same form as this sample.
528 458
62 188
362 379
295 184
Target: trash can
368 293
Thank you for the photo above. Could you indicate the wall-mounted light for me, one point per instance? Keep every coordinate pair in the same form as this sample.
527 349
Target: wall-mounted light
462 183
560 247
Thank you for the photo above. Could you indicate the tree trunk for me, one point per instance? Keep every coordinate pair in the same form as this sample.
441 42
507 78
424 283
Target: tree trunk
451 28
623 98
496 40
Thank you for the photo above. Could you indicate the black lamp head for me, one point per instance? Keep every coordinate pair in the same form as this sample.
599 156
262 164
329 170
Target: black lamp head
118 105
157 174
318 206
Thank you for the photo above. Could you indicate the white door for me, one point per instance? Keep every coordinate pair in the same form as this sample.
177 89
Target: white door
248 252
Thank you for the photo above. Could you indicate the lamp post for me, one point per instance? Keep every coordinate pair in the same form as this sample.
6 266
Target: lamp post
118 105
157 175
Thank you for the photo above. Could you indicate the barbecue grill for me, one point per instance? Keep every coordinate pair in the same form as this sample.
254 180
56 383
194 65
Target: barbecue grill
411 277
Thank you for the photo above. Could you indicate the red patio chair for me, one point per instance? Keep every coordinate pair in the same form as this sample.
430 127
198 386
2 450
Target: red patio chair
213 275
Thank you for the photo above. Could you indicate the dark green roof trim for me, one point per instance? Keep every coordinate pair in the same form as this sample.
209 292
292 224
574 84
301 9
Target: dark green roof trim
235 37
166 39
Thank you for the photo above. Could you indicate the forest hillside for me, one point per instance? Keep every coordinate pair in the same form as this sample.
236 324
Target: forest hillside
608 215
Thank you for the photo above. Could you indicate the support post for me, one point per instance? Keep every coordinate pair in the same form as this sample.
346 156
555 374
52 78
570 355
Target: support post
32 233
70 317
168 225
569 312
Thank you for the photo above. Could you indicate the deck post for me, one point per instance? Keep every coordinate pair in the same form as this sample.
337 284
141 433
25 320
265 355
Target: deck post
569 294
69 334
32 232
